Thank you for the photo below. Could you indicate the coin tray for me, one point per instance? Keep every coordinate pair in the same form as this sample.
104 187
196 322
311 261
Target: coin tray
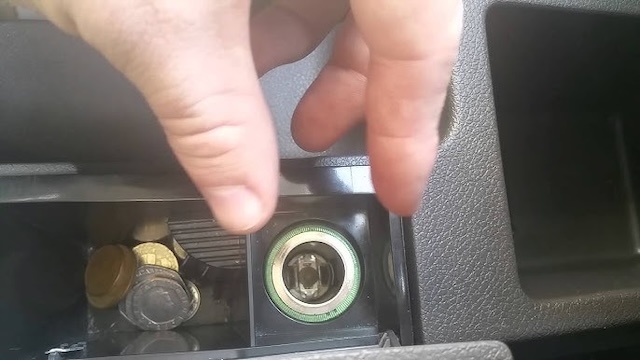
236 318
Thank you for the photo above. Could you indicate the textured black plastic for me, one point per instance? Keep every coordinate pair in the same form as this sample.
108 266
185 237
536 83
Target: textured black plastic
564 85
482 350
466 268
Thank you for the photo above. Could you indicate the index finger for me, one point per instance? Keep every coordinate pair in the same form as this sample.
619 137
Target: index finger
413 46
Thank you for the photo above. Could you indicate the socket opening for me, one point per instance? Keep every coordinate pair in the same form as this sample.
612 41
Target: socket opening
312 273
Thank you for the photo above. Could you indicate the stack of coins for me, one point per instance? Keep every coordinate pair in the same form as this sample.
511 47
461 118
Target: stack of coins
143 282
160 299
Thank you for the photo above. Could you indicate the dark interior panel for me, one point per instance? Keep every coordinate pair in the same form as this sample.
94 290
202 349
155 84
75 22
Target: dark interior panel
63 102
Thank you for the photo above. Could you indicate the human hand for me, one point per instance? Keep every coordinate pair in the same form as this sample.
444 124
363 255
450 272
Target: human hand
196 63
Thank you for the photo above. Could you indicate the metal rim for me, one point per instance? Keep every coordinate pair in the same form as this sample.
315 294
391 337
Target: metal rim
195 300
285 301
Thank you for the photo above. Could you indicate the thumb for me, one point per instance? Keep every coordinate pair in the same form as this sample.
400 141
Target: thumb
192 62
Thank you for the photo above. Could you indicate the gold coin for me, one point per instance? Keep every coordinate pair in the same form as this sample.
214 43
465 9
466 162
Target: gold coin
155 254
109 275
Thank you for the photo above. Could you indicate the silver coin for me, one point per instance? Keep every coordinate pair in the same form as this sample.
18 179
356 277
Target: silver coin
159 304
194 294
145 272
122 308
128 305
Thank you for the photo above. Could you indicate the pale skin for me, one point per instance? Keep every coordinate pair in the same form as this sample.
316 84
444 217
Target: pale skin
197 63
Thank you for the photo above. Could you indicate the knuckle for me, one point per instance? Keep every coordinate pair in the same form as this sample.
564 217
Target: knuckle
207 146
207 130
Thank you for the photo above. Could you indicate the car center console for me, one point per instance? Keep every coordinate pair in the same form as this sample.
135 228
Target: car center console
528 228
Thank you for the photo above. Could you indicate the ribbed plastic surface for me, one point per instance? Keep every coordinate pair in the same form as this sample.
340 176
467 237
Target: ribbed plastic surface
206 241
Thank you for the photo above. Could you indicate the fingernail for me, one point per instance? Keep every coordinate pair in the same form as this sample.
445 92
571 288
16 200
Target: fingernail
236 208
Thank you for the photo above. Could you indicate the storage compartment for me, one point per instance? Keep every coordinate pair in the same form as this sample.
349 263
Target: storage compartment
567 105
346 275
43 303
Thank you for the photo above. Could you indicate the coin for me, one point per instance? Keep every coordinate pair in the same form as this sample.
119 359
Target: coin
153 228
128 306
156 254
122 308
109 275
145 272
194 293
158 304
180 252
102 269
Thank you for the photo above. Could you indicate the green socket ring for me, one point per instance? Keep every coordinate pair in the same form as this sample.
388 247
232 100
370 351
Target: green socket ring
312 273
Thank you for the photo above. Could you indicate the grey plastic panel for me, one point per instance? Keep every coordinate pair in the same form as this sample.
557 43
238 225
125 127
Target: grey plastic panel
284 87
466 269
60 187
482 350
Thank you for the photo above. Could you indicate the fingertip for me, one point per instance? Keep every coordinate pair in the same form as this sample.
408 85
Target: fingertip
401 169
399 195
238 209
305 129
310 146
332 106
